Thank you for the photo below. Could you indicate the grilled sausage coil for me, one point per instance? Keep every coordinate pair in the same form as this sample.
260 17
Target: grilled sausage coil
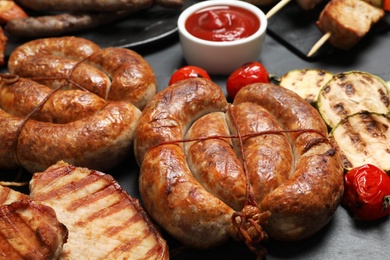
67 99
196 151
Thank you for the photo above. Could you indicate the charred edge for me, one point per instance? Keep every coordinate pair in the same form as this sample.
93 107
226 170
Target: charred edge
314 142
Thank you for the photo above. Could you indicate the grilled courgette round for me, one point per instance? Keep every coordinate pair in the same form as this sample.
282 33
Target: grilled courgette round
363 138
350 93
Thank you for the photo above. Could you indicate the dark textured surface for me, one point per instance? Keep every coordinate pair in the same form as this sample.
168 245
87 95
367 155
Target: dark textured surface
343 238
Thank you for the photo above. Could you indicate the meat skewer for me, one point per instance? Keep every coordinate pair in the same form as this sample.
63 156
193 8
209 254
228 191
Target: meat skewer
276 8
306 5
342 24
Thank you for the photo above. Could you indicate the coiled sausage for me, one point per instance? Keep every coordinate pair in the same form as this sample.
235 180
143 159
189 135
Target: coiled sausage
279 140
77 103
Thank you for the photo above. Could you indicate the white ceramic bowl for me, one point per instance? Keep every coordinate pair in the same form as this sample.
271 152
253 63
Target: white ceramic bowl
224 57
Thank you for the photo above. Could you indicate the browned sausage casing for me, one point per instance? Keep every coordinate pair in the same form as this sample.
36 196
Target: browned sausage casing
79 104
306 202
112 73
295 175
88 5
61 24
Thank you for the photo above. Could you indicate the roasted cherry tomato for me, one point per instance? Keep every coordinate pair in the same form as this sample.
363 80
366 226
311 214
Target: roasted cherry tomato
248 73
188 72
367 192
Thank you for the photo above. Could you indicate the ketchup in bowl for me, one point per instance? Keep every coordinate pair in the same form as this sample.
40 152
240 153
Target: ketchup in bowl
219 36
222 23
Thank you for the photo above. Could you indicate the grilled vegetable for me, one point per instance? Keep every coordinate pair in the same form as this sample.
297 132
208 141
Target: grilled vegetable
363 138
352 92
307 83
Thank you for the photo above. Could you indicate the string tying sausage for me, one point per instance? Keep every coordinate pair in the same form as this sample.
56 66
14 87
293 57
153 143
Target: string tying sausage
196 217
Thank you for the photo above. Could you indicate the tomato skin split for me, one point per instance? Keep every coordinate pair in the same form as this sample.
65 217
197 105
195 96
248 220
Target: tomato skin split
188 72
251 72
367 192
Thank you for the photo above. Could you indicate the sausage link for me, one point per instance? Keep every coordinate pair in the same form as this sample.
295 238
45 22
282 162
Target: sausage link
100 141
57 72
9 126
23 97
213 162
306 202
71 47
132 77
112 73
61 24
171 112
268 156
89 5
170 193
176 200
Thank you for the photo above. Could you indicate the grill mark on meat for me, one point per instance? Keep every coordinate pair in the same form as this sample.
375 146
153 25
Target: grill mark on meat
63 188
131 243
112 231
111 210
93 206
4 195
8 195
105 192
9 251
56 175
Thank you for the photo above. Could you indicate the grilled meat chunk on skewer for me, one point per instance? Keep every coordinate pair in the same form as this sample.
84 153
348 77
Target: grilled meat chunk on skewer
348 21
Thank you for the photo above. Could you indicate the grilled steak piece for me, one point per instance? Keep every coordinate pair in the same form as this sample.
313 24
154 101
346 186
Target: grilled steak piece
104 222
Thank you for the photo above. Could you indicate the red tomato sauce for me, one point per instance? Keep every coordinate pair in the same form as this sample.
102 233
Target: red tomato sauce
222 23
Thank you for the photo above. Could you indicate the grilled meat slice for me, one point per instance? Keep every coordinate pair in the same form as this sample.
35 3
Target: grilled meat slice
104 222
8 195
30 230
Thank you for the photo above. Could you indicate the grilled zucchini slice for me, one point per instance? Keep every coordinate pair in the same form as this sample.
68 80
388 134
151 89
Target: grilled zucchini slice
307 83
363 138
351 92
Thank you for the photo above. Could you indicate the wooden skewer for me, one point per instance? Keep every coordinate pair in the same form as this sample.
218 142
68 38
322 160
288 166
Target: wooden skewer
276 8
319 43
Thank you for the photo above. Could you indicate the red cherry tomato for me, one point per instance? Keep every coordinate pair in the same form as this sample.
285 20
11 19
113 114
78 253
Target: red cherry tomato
367 192
248 73
188 72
